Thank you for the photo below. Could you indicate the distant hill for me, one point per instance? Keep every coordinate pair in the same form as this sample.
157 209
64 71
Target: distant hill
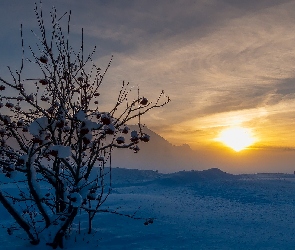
193 177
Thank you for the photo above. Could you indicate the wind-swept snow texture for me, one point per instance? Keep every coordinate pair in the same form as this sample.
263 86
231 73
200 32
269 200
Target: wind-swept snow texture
190 210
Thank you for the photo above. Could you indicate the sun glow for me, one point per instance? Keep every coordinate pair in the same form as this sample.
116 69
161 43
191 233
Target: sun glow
237 138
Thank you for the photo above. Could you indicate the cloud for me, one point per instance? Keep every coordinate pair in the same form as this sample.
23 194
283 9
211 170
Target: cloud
234 66
219 61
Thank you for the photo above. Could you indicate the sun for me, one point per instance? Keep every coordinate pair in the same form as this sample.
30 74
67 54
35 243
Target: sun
237 138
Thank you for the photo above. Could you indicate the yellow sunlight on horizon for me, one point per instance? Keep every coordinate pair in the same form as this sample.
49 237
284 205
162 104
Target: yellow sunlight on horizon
237 138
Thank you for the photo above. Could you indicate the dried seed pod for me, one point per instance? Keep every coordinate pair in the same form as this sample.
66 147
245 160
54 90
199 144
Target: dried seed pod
105 119
125 130
85 140
134 136
30 98
144 101
6 120
109 129
50 110
20 123
20 162
19 98
44 81
43 59
60 124
66 129
44 99
84 131
37 140
145 138
9 105
120 140
53 153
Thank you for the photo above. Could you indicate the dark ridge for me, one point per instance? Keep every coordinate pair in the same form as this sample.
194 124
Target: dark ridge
193 177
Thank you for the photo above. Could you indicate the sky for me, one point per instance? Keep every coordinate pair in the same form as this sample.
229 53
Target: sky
223 63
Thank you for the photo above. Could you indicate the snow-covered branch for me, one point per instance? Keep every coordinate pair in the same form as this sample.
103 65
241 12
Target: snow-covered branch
57 139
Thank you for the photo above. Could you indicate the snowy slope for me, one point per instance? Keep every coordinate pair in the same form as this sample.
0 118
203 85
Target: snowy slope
191 210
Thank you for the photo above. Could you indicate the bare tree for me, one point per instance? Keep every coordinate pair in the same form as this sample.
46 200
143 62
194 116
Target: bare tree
56 144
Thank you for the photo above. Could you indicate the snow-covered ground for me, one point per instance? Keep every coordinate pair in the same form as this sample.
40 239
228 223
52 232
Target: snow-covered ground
191 210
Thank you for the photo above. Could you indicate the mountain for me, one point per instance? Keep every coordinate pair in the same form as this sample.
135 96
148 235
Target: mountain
157 154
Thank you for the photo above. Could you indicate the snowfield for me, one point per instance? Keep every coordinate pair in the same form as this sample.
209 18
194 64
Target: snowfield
207 209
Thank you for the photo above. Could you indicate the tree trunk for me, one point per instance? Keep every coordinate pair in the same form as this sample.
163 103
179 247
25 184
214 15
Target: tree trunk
58 239
18 219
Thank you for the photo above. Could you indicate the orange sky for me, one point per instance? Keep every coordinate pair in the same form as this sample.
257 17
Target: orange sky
223 63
